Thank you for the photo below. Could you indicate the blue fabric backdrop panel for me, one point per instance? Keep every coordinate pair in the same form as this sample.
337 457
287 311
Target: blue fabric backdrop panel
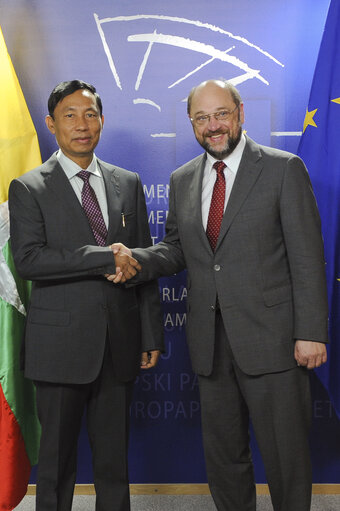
144 57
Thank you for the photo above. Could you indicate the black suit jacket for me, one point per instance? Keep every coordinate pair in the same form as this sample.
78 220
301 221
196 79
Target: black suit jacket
72 306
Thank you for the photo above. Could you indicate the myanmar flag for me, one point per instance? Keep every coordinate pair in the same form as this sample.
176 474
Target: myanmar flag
19 426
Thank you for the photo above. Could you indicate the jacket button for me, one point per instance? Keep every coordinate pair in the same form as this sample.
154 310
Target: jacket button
212 307
217 267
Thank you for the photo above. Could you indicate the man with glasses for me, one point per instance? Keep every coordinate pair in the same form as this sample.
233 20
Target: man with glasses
244 221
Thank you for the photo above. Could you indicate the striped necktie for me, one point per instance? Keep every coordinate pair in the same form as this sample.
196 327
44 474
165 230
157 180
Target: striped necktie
92 209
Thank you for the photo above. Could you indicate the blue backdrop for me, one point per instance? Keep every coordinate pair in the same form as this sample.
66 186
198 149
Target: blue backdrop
144 57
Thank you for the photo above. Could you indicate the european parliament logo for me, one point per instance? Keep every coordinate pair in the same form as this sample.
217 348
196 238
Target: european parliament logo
153 57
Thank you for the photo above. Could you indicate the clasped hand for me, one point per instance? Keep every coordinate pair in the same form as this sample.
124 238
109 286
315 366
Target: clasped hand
126 265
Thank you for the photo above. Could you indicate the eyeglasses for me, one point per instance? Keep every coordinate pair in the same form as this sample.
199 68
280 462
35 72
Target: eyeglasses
221 116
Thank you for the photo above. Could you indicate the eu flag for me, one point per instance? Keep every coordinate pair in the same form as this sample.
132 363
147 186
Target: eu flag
320 149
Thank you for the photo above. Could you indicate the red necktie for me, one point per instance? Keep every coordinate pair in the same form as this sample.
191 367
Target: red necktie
217 205
92 209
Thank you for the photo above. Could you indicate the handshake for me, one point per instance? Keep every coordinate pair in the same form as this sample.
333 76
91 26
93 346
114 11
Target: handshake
126 266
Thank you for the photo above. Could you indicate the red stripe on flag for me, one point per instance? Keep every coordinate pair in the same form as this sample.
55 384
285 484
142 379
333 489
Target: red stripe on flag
15 466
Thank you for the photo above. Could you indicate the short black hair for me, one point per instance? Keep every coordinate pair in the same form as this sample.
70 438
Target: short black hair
64 89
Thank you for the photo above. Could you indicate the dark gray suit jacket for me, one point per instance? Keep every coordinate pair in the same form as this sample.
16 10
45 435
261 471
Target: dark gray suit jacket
268 268
72 306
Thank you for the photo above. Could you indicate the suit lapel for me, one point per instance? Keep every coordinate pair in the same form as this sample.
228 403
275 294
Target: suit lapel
57 181
195 195
246 177
114 206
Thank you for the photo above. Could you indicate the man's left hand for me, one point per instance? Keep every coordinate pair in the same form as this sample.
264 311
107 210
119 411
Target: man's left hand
149 359
310 354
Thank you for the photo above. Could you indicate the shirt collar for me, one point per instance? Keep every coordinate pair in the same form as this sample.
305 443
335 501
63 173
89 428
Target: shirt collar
71 168
232 161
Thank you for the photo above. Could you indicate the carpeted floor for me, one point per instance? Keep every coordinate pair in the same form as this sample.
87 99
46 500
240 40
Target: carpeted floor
183 503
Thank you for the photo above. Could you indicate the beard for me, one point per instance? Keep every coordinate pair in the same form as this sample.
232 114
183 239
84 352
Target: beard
228 148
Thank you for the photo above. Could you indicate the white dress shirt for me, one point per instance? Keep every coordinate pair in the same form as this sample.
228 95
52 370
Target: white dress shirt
96 180
209 177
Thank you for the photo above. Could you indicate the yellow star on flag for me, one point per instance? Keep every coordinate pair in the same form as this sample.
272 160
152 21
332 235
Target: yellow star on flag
309 119
337 100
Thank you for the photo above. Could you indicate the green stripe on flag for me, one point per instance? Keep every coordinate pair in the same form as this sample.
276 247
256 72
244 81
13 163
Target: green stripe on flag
19 392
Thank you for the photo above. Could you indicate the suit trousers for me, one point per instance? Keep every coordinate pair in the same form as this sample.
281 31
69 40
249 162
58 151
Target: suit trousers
279 406
60 410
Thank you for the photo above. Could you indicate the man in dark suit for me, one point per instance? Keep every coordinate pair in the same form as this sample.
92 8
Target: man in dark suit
84 339
243 220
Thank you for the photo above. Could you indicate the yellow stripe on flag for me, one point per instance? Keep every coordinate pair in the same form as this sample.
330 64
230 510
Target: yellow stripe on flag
19 148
